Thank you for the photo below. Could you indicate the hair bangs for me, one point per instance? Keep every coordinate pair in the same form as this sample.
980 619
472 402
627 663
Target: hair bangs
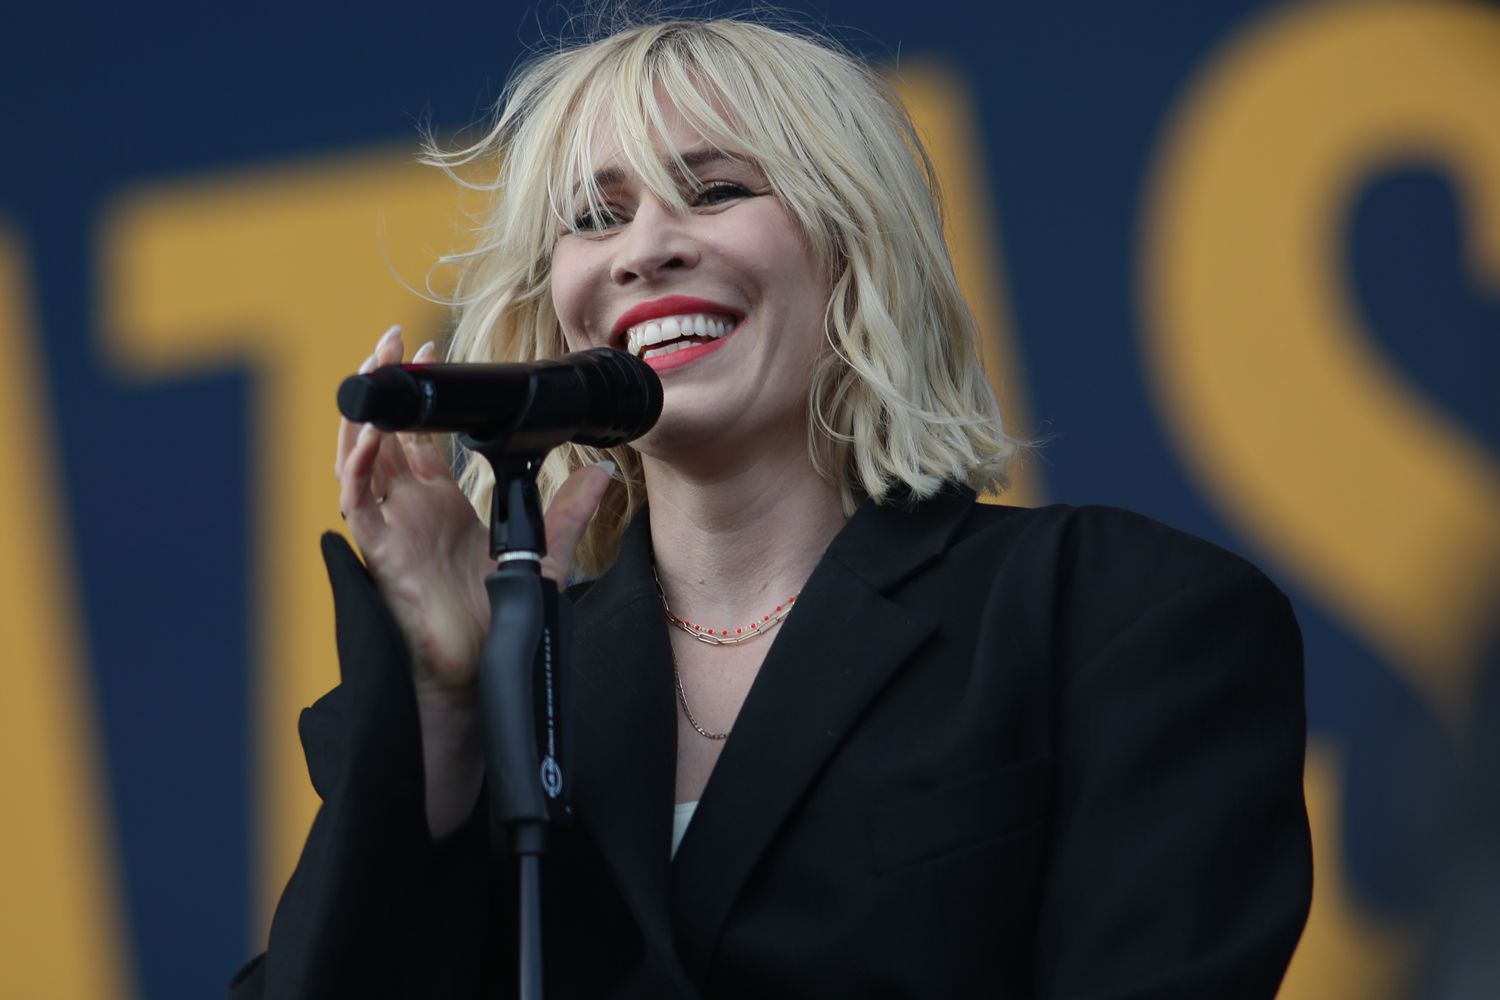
619 118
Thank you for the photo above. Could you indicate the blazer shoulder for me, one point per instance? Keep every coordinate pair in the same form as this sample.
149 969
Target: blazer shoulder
1093 572
1126 550
1109 545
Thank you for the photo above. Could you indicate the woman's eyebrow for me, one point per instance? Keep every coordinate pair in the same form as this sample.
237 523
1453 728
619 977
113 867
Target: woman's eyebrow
693 160
706 157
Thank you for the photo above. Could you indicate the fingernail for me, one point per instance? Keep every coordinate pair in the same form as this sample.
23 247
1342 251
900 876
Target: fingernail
607 466
425 349
394 331
368 365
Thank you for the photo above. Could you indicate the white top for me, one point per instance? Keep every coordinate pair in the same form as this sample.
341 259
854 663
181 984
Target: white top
682 815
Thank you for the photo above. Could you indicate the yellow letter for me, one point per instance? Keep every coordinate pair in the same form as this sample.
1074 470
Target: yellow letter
63 932
281 271
1301 430
1308 439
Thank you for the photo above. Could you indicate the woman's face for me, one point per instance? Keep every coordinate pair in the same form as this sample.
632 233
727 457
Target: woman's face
725 301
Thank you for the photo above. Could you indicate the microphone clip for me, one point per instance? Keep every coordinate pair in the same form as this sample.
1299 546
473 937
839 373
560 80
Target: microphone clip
516 522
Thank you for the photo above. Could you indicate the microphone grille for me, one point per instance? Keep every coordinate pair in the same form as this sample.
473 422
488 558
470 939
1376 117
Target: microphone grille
628 395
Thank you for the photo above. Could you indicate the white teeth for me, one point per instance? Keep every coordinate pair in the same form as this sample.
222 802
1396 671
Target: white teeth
669 328
665 349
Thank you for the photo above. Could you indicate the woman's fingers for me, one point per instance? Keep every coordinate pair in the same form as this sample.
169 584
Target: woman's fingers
348 430
388 349
422 453
571 510
390 463
424 458
357 500
380 461
365 461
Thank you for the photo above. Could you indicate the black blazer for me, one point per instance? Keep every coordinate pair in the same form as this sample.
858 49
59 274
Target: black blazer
994 752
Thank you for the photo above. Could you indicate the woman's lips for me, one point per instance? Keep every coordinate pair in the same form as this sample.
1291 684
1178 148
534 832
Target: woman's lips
687 355
667 305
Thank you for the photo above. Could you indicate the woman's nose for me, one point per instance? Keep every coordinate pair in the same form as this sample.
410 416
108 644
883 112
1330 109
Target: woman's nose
655 242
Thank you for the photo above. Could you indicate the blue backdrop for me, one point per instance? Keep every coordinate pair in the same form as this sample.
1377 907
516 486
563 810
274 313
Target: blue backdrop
1074 115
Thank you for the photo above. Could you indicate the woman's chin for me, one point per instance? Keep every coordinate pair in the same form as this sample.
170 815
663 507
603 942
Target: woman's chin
718 439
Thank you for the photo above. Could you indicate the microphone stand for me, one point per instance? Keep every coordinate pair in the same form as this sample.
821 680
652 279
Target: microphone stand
601 398
522 657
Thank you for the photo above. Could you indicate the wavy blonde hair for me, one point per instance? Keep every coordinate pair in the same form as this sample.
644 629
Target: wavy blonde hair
899 406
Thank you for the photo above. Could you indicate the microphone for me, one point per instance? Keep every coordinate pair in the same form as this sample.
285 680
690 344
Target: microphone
599 397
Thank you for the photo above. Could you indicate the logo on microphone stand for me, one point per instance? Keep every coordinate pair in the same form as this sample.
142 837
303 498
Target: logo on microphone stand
552 777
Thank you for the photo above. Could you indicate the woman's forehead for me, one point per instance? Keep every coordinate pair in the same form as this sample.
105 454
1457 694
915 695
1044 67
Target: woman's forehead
661 133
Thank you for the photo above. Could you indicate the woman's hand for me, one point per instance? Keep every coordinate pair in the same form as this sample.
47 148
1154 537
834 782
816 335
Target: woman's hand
427 549
420 537
429 554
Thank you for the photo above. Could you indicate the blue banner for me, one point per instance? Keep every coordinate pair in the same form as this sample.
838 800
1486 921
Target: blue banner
1237 263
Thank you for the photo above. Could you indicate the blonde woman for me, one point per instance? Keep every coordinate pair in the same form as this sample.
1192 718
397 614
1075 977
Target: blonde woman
840 730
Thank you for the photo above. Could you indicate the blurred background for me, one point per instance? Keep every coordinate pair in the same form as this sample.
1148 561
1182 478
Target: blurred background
1237 261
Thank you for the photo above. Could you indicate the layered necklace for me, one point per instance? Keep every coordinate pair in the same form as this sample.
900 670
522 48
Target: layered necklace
723 636
716 637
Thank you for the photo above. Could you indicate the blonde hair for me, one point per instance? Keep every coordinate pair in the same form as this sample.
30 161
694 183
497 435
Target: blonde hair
899 406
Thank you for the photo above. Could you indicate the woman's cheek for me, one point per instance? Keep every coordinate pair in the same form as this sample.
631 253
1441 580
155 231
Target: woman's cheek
569 296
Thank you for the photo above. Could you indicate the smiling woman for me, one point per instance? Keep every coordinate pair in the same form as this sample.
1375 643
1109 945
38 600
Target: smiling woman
731 259
839 729
717 127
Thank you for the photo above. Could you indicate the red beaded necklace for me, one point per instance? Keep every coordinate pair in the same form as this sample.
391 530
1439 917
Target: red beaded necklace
723 636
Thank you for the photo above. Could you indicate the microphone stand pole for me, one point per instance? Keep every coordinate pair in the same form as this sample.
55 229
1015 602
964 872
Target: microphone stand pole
600 398
521 659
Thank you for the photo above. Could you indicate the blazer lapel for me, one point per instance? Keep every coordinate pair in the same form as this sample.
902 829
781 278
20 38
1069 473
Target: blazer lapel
841 647
625 735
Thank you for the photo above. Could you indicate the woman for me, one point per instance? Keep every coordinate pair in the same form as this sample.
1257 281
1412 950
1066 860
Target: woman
938 748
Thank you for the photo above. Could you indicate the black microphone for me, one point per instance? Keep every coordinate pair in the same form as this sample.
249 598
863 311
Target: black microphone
600 397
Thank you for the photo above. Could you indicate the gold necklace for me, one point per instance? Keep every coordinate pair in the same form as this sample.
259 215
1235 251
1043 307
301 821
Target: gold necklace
722 637
682 700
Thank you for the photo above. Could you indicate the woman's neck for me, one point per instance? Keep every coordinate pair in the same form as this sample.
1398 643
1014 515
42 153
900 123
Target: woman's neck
729 547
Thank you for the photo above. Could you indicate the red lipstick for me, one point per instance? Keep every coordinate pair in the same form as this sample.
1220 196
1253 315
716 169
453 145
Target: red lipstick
666 362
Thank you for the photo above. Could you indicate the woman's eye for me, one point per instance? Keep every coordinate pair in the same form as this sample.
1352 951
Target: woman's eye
718 192
596 219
